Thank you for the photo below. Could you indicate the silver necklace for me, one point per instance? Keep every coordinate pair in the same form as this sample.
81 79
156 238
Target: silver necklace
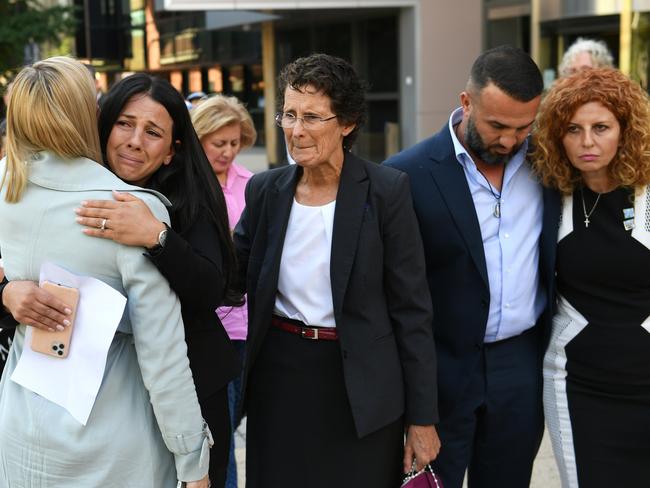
584 207
497 206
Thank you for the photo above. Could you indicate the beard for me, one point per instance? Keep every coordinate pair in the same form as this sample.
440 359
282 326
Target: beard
475 144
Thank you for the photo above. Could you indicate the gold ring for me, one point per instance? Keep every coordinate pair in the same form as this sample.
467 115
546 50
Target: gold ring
103 226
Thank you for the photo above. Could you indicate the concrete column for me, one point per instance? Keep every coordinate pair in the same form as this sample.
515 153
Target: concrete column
408 128
152 36
535 31
448 38
269 75
625 49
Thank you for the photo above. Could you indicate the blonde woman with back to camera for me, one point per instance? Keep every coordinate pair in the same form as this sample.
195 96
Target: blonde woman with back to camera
145 428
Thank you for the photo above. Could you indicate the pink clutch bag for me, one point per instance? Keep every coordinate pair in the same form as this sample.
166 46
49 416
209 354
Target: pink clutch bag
424 479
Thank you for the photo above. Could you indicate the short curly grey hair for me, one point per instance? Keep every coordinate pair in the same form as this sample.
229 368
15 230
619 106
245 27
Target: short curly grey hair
601 57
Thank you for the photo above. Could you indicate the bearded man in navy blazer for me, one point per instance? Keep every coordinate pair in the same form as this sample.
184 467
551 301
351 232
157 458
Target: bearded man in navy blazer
489 231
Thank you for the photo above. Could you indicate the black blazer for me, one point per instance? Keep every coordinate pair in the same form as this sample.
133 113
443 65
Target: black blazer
382 305
192 263
456 269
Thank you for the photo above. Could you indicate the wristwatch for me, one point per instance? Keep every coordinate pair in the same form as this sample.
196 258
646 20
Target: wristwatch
162 238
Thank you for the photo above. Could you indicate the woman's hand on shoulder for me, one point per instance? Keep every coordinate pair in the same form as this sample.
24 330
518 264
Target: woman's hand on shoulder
31 305
127 220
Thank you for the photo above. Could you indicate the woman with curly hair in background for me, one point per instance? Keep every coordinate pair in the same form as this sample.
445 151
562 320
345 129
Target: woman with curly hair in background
593 145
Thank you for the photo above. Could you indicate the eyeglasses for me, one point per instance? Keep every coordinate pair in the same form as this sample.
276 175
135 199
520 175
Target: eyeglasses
288 121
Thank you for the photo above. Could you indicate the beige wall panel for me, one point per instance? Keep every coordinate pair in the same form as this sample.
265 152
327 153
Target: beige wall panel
450 39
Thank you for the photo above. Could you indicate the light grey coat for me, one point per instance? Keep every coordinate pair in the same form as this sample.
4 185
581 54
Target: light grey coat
145 428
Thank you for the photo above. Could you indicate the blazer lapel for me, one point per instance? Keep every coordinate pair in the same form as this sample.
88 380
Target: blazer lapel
278 209
550 228
450 179
351 203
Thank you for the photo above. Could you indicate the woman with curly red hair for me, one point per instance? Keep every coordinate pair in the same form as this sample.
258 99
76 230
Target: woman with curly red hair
593 145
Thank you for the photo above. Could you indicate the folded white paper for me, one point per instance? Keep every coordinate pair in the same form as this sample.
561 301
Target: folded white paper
73 382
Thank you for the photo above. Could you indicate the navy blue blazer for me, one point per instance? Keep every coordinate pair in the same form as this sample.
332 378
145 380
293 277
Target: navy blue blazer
455 259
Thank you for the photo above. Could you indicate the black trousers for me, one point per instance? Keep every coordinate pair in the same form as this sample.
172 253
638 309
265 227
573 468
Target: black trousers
300 430
215 412
496 427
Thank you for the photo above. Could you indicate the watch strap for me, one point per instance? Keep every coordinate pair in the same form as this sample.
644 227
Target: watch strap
162 239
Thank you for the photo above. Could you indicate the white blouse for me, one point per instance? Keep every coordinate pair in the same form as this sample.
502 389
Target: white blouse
304 286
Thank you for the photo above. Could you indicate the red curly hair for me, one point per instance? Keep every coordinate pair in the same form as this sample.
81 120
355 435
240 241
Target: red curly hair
624 98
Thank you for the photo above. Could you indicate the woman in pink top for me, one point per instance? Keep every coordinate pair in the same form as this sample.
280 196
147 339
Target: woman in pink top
225 127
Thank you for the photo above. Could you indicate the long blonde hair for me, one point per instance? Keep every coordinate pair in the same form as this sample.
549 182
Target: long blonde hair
219 111
52 107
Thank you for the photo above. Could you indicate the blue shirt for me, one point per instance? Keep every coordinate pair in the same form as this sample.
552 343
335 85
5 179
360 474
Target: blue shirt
511 243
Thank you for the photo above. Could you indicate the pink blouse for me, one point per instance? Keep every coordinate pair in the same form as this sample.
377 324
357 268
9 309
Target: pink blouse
235 319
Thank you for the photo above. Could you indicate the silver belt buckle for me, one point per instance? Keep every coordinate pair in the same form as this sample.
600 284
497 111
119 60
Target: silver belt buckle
304 331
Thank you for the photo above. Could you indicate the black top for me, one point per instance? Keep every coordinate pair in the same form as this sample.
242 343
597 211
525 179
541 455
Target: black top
604 273
193 265
6 335
6 319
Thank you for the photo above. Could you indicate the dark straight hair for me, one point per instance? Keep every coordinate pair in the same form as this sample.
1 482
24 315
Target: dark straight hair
188 181
511 70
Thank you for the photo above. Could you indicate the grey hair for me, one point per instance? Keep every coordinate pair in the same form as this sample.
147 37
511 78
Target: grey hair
600 55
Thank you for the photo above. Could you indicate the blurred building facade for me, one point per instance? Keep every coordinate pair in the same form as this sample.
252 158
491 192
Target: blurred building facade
414 53
546 28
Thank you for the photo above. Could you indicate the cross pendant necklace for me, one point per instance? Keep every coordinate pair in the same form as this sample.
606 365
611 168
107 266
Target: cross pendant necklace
584 207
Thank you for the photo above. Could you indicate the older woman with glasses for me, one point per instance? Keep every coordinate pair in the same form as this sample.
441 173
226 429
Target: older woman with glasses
340 356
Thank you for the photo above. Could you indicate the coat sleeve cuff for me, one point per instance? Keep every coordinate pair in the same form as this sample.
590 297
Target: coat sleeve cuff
191 453
6 319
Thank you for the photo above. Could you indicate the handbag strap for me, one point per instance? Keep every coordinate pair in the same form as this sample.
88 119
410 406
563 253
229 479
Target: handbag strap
413 473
